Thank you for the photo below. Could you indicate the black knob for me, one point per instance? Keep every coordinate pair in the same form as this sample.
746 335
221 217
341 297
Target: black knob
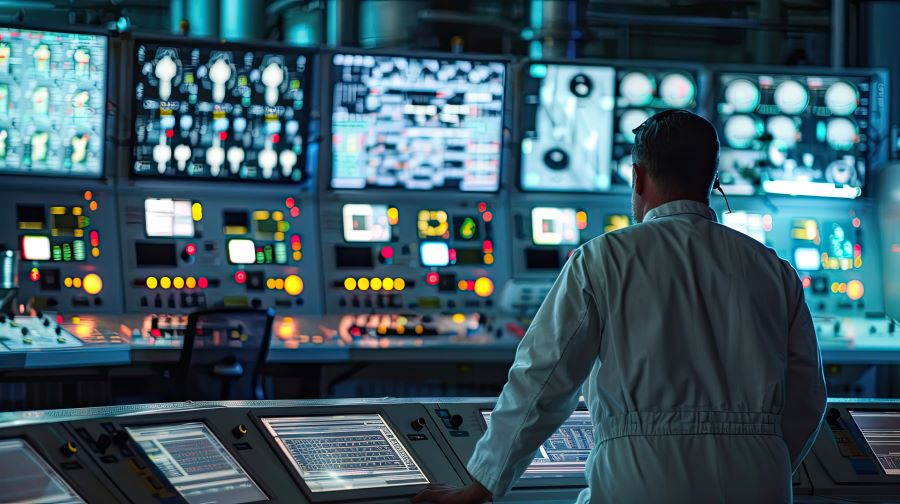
69 449
418 424
46 322
120 437
103 442
24 331
456 421
239 431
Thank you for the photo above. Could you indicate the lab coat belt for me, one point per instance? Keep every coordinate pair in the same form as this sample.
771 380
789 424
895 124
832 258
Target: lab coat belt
663 423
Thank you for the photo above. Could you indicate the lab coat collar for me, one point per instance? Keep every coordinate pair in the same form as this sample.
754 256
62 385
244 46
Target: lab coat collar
682 207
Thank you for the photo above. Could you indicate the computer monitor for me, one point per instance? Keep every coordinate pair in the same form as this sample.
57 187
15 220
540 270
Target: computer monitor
52 102
787 131
26 478
205 110
567 121
334 453
416 122
196 464
880 428
565 453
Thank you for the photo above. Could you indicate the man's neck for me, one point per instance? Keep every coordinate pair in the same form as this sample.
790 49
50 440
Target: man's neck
658 202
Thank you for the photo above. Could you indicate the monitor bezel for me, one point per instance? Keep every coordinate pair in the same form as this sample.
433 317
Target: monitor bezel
308 115
877 156
106 153
328 73
697 71
341 495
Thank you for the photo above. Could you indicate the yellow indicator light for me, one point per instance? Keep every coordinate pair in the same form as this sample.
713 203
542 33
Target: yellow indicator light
382 329
834 287
855 290
488 258
387 284
399 284
376 284
350 284
857 262
419 329
393 216
277 215
402 321
279 284
58 210
462 285
67 282
197 211
93 284
298 256
400 330
363 284
165 282
95 252
283 226
76 320
279 236
151 282
484 287
178 283
260 215
293 285
190 282
458 318
76 211
76 282
78 233
270 283
843 288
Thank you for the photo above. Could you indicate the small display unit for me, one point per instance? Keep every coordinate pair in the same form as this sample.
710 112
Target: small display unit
342 453
196 464
52 102
564 454
880 430
806 133
28 479
416 122
218 111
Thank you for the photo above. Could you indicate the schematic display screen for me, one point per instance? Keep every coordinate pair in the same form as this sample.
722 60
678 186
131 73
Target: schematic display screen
26 478
345 452
568 121
566 452
220 112
52 103
416 123
809 135
882 432
194 461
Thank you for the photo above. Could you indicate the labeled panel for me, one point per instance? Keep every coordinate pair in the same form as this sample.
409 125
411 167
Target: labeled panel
52 103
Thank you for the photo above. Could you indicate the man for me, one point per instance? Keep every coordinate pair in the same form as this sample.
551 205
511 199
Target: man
692 344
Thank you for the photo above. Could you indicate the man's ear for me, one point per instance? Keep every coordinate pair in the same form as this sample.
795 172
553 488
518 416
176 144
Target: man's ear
637 178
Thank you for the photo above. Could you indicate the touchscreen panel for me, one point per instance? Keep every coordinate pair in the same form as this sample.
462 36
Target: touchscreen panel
882 432
26 478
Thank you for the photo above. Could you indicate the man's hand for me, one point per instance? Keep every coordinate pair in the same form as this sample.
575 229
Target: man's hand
474 493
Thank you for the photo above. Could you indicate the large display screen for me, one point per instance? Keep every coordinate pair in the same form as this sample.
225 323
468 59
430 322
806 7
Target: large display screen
416 122
194 461
565 453
795 134
27 479
220 111
567 115
52 102
345 452
881 429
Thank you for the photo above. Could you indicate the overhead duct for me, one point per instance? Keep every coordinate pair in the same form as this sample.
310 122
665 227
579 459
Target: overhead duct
386 23
242 19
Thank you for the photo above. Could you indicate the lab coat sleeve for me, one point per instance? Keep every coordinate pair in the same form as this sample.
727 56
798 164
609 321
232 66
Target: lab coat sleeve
805 395
552 361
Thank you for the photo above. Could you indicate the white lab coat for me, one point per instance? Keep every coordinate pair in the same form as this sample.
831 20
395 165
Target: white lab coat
698 360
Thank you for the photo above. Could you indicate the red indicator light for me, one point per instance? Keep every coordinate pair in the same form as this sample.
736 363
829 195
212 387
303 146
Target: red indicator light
431 278
806 282
470 285
856 222
240 276
170 133
355 332
202 282
295 239
289 202
155 333
35 275
95 238
482 207
88 195
857 250
191 249
276 138
487 216
295 211
488 246
451 254
59 319
387 252
223 135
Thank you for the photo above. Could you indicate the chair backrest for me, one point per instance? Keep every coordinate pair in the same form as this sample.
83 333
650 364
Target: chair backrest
223 353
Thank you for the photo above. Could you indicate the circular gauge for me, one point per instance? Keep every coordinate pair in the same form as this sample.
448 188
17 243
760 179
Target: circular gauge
791 97
840 171
743 95
677 90
637 88
783 129
630 120
741 131
841 133
623 169
842 98
556 159
581 85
